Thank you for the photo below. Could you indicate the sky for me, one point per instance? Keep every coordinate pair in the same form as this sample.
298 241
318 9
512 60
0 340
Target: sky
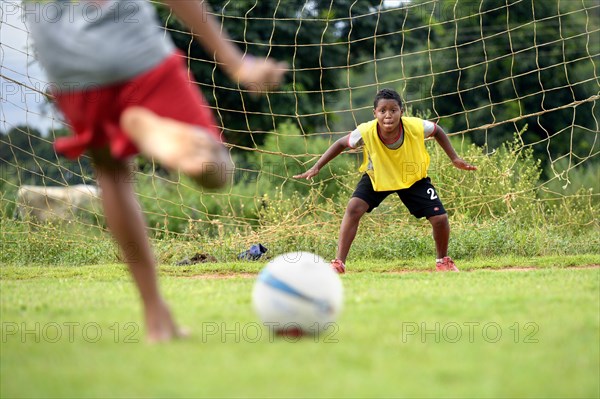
21 103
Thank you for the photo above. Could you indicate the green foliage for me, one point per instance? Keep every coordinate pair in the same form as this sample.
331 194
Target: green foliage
504 186
501 209
175 205
485 56
478 63
54 244
309 37
288 153
8 194
497 210
28 157
536 193
568 179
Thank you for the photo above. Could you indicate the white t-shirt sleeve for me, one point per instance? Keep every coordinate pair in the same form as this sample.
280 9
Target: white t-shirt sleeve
429 128
355 139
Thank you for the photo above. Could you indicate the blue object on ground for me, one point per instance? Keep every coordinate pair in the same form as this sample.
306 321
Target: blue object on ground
255 252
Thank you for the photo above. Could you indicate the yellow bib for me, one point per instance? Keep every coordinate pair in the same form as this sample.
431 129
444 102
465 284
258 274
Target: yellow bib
394 169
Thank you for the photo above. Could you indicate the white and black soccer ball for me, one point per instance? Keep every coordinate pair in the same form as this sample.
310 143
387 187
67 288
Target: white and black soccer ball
298 291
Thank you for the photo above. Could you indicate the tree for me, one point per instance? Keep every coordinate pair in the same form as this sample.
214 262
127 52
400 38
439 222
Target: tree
27 157
311 36
492 62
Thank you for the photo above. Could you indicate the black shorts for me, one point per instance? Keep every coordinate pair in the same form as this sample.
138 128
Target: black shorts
421 199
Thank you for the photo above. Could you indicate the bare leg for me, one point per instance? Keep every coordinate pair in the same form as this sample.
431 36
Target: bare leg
441 234
354 211
178 146
125 220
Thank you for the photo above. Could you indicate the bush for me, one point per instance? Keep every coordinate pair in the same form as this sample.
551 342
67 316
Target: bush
501 209
174 205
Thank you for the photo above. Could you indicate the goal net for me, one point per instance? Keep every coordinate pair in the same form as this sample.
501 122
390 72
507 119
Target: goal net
515 83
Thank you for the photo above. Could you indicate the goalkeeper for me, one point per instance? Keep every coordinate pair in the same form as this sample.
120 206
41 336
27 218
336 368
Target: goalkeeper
395 161
124 89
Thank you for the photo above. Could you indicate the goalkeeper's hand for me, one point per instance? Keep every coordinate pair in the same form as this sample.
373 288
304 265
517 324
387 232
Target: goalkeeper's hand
462 164
309 174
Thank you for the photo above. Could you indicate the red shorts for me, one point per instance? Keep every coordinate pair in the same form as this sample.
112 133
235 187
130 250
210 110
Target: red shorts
94 114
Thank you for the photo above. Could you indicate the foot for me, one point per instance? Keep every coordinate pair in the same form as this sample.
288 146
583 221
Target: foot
338 266
160 326
178 146
446 264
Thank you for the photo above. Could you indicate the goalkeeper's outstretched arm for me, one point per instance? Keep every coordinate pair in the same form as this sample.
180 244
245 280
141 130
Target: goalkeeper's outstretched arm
444 142
336 149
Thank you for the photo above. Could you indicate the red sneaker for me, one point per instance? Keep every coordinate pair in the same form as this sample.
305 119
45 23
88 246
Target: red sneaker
446 264
338 266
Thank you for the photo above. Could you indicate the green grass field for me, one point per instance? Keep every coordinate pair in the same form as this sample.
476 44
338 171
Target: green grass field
76 332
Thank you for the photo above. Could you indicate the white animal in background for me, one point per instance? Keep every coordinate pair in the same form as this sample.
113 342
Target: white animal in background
57 203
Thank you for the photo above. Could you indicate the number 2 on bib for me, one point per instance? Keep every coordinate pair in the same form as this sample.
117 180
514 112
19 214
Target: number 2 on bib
432 194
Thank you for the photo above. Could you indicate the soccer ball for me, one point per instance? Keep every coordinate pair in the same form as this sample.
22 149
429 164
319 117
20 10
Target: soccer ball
298 292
